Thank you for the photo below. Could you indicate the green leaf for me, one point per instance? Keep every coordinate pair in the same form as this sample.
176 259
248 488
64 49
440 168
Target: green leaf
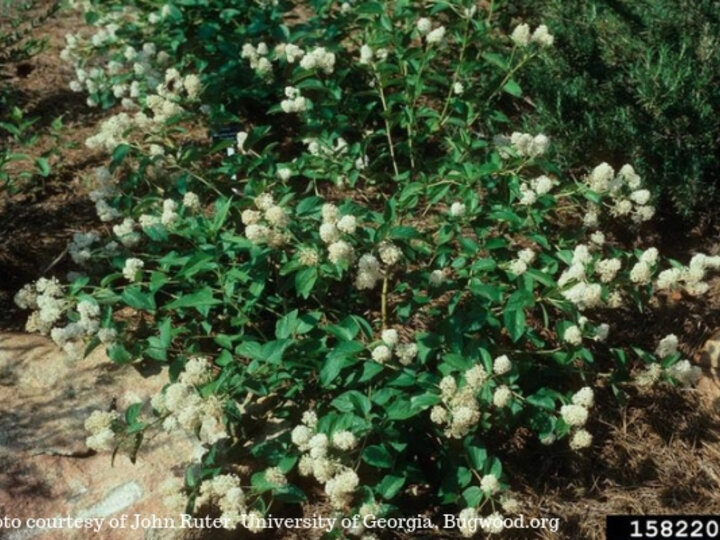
201 298
44 166
136 298
514 320
389 486
286 326
305 281
476 454
338 359
377 456
513 88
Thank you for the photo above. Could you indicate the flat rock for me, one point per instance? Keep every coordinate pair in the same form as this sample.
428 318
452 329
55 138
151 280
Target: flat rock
47 471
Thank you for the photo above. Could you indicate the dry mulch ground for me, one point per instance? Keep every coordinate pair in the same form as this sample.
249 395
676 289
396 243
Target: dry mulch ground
660 453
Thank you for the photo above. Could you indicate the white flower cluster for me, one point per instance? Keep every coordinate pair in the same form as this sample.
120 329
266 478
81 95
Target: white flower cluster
268 223
321 459
582 293
520 265
258 58
128 72
683 371
340 251
424 26
526 145
460 411
690 277
46 297
225 493
470 522
576 414
522 37
100 426
291 52
625 191
405 352
368 55
183 406
105 190
294 102
319 58
641 272
79 247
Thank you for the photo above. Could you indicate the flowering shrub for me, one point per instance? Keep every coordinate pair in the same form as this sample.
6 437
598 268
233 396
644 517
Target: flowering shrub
376 286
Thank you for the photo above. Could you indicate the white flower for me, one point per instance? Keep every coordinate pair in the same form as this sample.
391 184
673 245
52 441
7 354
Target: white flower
526 255
330 213
685 373
192 86
347 224
131 268
257 233
366 54
590 219
468 522
301 436
542 36
641 196
319 58
628 174
572 335
275 476
390 254
489 484
539 145
574 415
502 396
581 439
607 269
581 255
668 279
458 89
542 185
329 233
585 397
437 277
436 36
340 251
667 346
521 35
622 208
641 273
448 386
643 213
284 174
276 216
344 440
502 365
650 256
457 209
406 353
390 337
424 25
438 415
191 201
602 332
494 523
517 267
597 238
600 177
527 196
476 376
